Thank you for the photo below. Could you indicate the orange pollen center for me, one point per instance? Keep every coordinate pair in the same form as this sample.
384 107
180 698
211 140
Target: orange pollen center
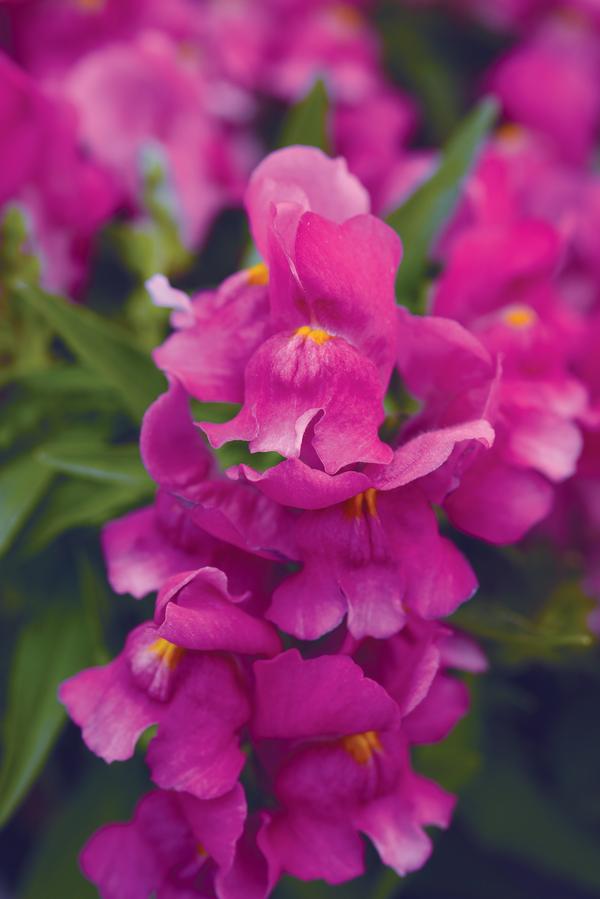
348 16
519 317
510 131
90 5
258 275
201 850
362 746
169 653
317 335
355 506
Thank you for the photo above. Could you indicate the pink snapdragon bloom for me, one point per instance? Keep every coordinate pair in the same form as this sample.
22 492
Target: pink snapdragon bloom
340 768
48 36
332 268
143 95
66 197
369 542
499 281
176 847
547 83
177 672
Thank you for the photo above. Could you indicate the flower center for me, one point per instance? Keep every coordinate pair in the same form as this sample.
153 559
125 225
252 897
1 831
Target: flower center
169 653
355 506
258 275
362 746
317 335
519 316
90 5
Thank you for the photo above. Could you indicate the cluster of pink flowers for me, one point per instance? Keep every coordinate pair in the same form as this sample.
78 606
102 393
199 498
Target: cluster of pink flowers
273 752
93 92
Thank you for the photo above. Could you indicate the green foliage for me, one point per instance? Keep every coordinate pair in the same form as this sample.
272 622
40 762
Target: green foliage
99 345
95 461
51 648
104 795
422 216
23 482
559 625
306 122
76 503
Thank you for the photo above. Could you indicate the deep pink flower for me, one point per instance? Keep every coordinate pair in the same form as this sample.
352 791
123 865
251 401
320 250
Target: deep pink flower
66 197
331 291
499 282
345 771
140 97
548 84
176 847
174 673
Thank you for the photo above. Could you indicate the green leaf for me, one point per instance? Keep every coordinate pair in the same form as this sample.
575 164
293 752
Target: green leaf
22 484
96 461
104 348
50 649
422 216
507 812
306 122
519 637
77 503
106 794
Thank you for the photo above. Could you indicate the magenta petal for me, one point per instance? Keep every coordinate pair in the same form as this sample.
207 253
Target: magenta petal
348 273
120 862
308 604
395 824
289 381
445 704
544 441
111 711
197 612
239 514
217 824
293 483
209 355
171 447
427 452
310 179
317 697
196 749
311 848
249 877
498 502
139 555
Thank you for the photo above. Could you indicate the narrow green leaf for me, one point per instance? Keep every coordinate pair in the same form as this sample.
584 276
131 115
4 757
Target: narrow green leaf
520 637
422 216
106 794
78 503
22 484
306 122
96 461
103 347
50 649
508 812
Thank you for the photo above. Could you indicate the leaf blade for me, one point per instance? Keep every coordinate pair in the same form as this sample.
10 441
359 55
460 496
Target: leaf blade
306 122
23 482
422 216
101 346
48 651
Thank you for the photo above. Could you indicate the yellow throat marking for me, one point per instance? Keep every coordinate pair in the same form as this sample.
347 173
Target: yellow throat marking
317 335
356 505
519 316
258 275
169 653
362 746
